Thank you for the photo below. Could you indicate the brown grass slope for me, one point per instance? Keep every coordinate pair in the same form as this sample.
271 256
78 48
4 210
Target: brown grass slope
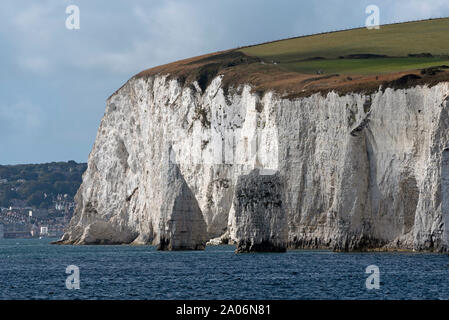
267 66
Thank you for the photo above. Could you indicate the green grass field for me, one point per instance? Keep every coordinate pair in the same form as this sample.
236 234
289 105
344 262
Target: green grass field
396 41
364 66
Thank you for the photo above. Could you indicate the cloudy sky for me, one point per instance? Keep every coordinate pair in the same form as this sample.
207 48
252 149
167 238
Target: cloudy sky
54 81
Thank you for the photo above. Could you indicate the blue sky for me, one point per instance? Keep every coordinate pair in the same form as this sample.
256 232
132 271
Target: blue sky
54 81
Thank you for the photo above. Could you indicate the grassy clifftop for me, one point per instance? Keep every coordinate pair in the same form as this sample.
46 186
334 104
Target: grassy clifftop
396 55
392 48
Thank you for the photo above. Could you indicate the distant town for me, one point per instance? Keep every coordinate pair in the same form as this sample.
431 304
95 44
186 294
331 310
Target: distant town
26 222
37 201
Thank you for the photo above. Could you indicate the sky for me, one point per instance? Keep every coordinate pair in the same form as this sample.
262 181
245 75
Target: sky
54 81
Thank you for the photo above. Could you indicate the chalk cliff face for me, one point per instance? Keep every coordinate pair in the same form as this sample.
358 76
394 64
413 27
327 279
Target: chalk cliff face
357 171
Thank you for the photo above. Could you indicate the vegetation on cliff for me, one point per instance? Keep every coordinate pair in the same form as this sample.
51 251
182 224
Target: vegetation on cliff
356 60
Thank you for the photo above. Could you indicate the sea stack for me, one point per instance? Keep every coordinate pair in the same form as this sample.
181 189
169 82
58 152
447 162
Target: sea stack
258 222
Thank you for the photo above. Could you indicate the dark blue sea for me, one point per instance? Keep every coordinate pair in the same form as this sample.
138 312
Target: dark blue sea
35 269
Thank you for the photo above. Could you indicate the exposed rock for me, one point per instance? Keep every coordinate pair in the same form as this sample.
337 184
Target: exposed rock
257 222
181 225
223 239
358 172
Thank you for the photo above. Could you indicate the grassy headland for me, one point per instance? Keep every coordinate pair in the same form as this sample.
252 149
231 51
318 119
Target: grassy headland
356 60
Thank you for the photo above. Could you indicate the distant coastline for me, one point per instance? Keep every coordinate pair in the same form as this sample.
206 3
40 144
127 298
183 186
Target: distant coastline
37 200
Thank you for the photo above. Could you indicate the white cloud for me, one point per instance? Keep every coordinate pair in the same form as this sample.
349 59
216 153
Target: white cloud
169 32
155 33
36 23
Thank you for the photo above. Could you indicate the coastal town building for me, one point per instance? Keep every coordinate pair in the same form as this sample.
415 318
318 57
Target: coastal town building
30 222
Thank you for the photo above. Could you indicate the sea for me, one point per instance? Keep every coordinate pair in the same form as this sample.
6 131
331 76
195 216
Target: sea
36 269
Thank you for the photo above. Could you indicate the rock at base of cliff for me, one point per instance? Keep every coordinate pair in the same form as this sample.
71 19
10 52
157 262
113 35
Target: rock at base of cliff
221 240
181 225
264 246
258 221
98 232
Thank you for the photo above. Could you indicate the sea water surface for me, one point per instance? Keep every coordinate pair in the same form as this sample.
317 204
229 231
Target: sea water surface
35 269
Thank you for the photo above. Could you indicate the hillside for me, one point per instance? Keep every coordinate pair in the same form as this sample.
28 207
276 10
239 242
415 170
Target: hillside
352 60
38 184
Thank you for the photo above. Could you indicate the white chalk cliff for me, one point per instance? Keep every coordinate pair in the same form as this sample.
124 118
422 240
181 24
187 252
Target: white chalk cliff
358 171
